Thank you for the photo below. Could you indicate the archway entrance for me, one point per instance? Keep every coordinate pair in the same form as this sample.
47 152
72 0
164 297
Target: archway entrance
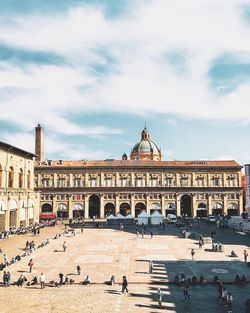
139 207
217 209
170 209
202 210
233 209
125 209
186 205
46 208
62 211
78 211
109 209
94 206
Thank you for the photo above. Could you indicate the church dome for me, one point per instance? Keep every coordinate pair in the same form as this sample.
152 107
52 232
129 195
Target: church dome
146 149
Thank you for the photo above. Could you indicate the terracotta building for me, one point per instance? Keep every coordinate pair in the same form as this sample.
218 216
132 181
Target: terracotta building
144 182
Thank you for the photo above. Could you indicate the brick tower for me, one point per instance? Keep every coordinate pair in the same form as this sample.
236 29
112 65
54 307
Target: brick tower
39 145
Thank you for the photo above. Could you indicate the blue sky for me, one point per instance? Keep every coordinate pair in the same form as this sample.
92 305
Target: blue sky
93 72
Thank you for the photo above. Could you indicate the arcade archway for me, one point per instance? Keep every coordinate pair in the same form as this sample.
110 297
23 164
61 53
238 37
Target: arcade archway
233 209
109 209
139 207
217 209
202 210
94 206
47 208
125 208
186 205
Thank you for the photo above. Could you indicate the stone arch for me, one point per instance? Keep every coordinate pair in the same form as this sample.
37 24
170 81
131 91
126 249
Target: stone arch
20 178
170 208
62 210
78 211
94 206
11 177
217 208
47 208
139 207
202 210
186 205
233 209
109 209
125 208
155 207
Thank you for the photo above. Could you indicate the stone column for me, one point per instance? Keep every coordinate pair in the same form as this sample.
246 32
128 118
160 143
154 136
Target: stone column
224 202
193 209
177 179
132 184
71 181
147 203
209 209
147 180
163 204
178 205
54 203
70 205
117 209
86 206
102 205
132 203
117 179
240 203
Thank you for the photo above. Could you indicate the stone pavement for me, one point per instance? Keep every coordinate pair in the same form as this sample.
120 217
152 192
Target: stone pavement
105 252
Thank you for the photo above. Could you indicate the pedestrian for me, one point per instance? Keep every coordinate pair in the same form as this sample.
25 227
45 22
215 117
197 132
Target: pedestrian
229 303
151 234
124 284
142 233
159 296
30 264
64 246
82 230
224 296
42 280
8 278
150 267
137 234
191 226
192 253
4 278
186 294
200 244
78 268
60 279
245 256
5 260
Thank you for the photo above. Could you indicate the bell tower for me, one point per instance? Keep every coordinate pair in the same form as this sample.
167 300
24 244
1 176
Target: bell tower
39 144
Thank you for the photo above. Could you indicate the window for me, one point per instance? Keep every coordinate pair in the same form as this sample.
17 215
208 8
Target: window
124 182
184 182
61 197
11 177
153 182
215 182
77 197
93 182
28 180
200 182
61 183
77 182
231 182
20 179
45 183
169 182
109 182
138 182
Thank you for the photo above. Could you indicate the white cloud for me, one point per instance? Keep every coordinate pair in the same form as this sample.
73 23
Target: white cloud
143 80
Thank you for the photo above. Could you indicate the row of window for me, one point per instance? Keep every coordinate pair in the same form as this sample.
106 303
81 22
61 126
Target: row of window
139 182
21 182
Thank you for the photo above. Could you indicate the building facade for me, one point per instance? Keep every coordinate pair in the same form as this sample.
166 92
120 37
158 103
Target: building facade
143 182
19 203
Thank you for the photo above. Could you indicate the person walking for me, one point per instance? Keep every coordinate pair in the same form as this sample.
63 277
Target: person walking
150 267
42 281
245 256
159 296
30 264
124 284
229 303
186 294
82 229
64 246
192 254
200 244
78 268
151 234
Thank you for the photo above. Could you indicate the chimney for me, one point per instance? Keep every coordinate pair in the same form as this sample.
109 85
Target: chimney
39 145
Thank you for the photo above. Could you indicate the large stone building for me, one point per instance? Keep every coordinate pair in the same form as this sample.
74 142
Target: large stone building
143 182
19 203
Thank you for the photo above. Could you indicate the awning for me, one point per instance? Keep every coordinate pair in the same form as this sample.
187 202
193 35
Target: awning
47 216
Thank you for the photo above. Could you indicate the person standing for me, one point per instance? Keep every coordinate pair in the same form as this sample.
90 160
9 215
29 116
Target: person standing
78 268
64 246
5 260
8 278
82 229
200 244
245 256
192 253
229 303
186 294
150 267
124 284
61 279
31 263
159 296
151 234
42 280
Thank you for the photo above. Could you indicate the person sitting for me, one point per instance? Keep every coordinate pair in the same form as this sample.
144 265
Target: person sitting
87 280
194 280
34 280
112 280
202 280
237 279
233 254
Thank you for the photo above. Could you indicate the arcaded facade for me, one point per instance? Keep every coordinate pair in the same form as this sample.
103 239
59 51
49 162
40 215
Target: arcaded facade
143 182
19 203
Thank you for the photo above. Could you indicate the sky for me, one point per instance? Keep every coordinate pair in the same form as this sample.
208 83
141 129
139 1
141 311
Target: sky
93 72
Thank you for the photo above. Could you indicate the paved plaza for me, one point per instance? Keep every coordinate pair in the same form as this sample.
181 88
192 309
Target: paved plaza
104 252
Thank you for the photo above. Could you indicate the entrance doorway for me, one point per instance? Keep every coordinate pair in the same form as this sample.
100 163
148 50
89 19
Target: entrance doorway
94 206
125 209
186 205
139 207
217 209
109 209
202 210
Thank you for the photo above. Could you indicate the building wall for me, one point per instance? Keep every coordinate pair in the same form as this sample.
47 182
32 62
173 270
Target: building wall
163 189
19 203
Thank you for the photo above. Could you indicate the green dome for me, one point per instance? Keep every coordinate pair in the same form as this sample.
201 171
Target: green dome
145 146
